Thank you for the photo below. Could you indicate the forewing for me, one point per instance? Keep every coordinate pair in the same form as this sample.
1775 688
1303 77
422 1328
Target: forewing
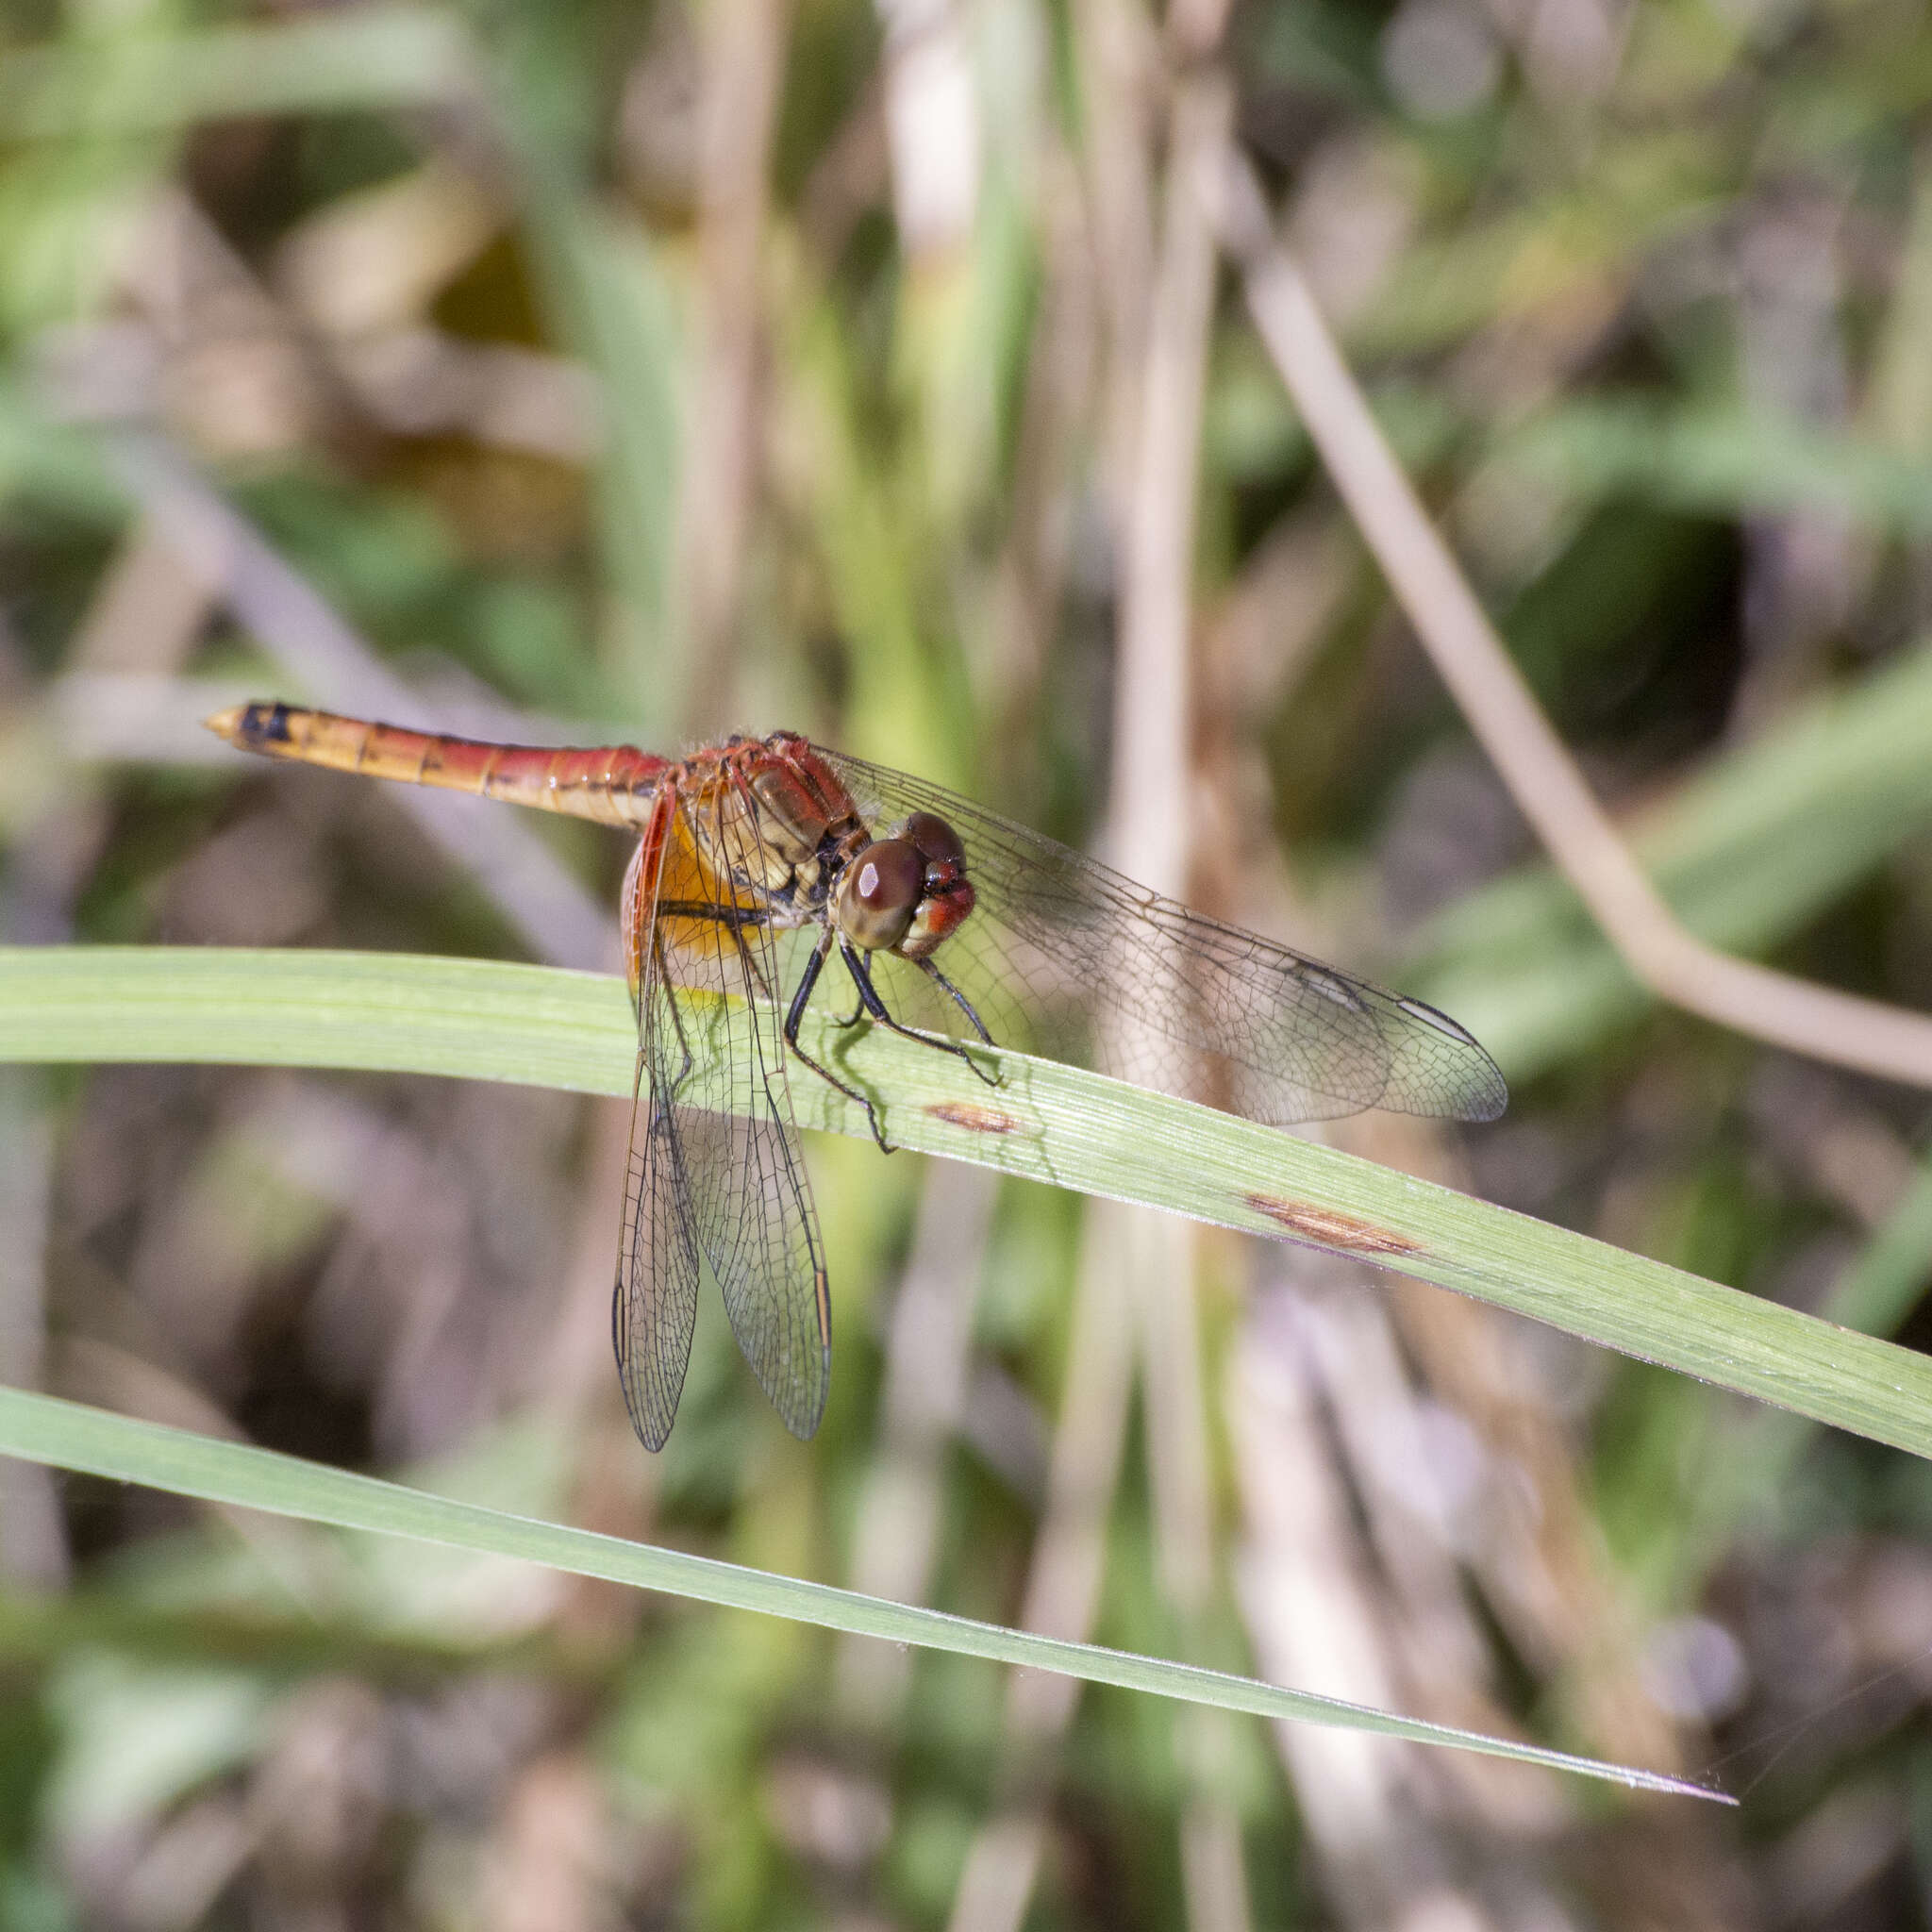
656 1298
1066 958
749 1207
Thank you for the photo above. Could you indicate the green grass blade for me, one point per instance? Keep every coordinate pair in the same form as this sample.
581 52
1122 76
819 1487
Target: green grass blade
1723 461
1750 1475
68 1435
480 1020
363 58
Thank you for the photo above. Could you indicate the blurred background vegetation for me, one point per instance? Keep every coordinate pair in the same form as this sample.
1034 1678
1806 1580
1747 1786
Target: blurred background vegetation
582 370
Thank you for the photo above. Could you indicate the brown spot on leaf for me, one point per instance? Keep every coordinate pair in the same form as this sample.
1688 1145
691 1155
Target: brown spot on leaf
1328 1228
974 1117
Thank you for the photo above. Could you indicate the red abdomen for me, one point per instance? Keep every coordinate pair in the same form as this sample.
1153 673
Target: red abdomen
611 784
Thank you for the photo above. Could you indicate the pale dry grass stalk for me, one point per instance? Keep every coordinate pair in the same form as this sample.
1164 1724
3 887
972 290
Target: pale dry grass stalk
360 277
1417 1480
929 1351
1461 641
1117 56
1313 1611
1352 1523
1532 1545
1157 378
1339 1575
1540 1559
120 696
549 1850
146 613
1897 406
372 261
1064 1578
86 1369
741 63
1839 1143
613 1489
1214 1877
1061 367
1150 833
1153 705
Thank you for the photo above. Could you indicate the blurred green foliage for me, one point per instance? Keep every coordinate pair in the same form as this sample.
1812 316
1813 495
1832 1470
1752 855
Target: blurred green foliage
1641 291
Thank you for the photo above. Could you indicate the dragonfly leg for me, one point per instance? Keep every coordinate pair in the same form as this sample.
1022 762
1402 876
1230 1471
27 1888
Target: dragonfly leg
794 1016
964 1005
869 998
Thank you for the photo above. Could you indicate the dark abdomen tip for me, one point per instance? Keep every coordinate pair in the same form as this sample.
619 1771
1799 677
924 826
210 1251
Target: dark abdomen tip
252 727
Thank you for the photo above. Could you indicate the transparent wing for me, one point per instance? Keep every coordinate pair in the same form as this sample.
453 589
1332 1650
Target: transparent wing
754 1215
656 1304
1066 958
733 1176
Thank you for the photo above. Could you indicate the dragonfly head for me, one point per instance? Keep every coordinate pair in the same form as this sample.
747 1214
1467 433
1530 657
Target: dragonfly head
904 893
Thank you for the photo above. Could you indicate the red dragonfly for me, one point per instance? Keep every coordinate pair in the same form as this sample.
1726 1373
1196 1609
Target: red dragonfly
757 861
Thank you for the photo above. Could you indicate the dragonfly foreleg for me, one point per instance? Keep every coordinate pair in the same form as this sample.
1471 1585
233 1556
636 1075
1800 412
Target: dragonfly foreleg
860 971
965 1005
794 1017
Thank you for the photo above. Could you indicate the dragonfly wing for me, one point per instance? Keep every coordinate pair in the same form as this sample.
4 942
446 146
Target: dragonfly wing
656 1304
1066 958
747 1202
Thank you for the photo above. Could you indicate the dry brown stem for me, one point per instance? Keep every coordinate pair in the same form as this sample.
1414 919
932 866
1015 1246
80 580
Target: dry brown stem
743 58
1543 778
1063 1582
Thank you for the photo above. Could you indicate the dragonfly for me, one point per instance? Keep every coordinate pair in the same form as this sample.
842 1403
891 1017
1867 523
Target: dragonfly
769 869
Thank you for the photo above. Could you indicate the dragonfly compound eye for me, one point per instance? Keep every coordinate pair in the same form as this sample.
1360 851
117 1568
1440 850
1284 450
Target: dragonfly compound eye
948 896
936 842
880 892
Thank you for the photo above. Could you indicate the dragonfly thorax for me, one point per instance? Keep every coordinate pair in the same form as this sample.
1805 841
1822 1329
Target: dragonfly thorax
902 892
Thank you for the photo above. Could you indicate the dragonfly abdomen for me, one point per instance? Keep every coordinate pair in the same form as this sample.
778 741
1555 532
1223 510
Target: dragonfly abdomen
611 784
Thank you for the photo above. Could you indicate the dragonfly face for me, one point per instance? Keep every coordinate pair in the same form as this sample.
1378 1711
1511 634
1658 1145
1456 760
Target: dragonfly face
907 892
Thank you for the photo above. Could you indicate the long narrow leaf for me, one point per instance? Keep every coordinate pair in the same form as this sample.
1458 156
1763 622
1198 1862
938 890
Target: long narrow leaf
360 59
478 1020
71 1435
